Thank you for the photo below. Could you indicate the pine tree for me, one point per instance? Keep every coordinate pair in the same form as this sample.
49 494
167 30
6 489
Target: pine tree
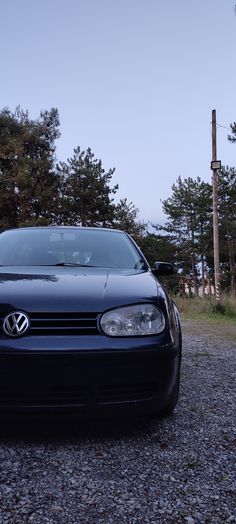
86 196
28 183
189 219
227 224
232 138
126 218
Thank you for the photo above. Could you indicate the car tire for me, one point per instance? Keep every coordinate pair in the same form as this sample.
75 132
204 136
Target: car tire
169 408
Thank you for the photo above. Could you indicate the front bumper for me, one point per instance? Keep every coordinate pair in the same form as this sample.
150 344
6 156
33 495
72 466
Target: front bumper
134 376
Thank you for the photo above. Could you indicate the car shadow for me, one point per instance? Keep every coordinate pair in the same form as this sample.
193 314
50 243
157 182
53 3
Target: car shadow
35 430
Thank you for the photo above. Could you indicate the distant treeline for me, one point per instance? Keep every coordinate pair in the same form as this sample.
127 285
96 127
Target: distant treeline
36 189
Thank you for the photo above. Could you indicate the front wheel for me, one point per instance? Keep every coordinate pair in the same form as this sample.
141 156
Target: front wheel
169 408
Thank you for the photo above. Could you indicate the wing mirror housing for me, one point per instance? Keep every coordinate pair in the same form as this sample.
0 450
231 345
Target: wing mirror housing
162 269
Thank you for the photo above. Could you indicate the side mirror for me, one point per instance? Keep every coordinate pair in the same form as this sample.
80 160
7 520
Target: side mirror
162 269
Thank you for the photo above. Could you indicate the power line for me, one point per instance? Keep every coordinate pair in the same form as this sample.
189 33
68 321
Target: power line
224 127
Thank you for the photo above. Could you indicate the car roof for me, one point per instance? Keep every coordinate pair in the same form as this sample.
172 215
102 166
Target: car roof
70 227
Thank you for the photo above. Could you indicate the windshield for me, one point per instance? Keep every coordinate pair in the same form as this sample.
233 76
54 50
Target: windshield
59 246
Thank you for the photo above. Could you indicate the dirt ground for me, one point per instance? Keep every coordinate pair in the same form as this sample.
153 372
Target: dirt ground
174 470
216 328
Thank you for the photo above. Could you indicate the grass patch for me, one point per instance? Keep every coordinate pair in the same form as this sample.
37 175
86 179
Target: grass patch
207 308
200 317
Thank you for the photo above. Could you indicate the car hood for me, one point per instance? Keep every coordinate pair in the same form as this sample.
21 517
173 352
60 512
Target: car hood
70 289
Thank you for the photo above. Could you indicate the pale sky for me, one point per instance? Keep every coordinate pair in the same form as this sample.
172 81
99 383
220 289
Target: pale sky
136 80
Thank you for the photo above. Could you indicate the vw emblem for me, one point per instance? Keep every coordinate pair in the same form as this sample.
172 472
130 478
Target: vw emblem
16 324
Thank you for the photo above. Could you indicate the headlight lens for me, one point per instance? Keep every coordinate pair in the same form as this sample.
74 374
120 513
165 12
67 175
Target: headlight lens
142 319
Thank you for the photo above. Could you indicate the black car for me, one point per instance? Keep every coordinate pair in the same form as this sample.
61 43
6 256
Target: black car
85 325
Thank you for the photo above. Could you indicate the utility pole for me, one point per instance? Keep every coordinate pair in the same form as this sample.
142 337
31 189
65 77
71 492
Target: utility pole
215 165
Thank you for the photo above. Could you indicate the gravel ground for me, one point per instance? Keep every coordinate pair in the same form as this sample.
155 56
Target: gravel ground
175 470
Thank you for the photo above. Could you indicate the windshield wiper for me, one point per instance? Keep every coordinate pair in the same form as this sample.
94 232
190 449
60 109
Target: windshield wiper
72 264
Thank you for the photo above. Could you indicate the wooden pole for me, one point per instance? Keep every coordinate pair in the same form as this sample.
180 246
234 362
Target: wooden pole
215 212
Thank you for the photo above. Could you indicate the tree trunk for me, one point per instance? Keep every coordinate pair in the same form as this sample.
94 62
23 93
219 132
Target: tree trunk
195 286
232 268
203 277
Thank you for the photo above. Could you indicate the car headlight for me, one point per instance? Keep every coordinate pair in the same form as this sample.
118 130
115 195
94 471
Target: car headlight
141 319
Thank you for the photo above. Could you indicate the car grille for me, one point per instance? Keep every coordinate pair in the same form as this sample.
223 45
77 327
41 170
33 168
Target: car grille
62 324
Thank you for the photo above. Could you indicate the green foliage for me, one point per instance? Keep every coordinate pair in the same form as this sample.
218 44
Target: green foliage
161 248
196 307
36 191
189 223
227 225
126 218
189 212
86 196
158 248
28 183
232 138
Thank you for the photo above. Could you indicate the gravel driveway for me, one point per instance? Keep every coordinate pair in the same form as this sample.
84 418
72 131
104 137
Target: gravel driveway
175 470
